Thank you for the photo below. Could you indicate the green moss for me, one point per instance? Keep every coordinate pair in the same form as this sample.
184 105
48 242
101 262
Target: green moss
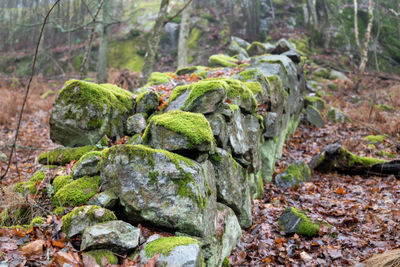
296 172
226 262
192 125
30 185
186 70
126 54
305 227
200 88
178 91
255 87
67 219
321 73
222 61
388 154
98 255
64 155
256 48
354 160
15 215
59 211
333 87
384 107
233 107
77 192
38 221
301 45
60 181
375 139
315 101
157 78
216 157
194 36
165 245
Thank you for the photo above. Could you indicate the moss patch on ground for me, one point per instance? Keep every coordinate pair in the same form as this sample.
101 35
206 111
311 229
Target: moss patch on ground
30 185
64 155
99 256
157 78
77 192
165 245
375 139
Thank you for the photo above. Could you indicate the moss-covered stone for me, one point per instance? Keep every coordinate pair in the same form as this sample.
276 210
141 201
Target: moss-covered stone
59 211
375 139
37 221
165 245
194 126
77 192
296 173
157 78
255 87
222 61
64 155
60 181
30 185
296 221
256 49
315 101
321 73
102 256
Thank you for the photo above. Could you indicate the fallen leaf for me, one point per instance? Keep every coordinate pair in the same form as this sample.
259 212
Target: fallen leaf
33 248
71 258
305 256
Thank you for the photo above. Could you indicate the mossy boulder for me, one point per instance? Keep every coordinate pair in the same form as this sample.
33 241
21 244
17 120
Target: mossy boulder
162 188
157 78
335 115
84 112
232 186
283 46
77 192
60 181
174 251
314 101
63 155
147 102
234 49
256 49
314 117
295 174
136 124
117 236
201 97
242 43
101 257
321 73
293 221
222 61
77 220
255 75
180 131
30 186
87 165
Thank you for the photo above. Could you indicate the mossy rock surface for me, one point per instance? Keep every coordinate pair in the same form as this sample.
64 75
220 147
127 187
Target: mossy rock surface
87 165
60 181
295 174
336 115
222 61
77 192
84 112
179 130
256 49
30 186
62 156
102 257
295 221
147 102
315 101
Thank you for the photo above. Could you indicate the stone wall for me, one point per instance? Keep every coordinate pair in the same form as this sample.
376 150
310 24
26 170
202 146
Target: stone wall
202 141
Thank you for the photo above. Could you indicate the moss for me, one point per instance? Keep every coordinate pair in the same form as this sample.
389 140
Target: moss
222 61
37 221
333 86
226 262
126 54
16 215
61 181
216 157
320 93
98 255
256 48
165 245
77 192
315 101
296 172
321 73
384 107
354 160
301 45
192 125
178 91
194 36
233 107
157 78
91 214
375 139
255 87
64 155
186 70
30 185
371 146
59 211
305 227
386 154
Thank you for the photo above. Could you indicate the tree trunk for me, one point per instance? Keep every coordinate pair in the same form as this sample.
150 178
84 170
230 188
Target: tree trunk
367 38
153 42
103 47
184 37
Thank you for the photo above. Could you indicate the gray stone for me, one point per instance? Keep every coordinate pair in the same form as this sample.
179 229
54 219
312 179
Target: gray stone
335 115
87 165
256 49
282 46
232 186
79 219
84 112
97 258
242 43
106 199
235 49
117 236
295 174
253 130
163 188
219 128
136 124
238 138
334 74
268 158
293 221
256 184
147 102
314 117
293 55
172 254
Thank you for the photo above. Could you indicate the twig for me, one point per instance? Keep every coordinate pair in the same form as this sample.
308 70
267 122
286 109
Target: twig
34 205
27 91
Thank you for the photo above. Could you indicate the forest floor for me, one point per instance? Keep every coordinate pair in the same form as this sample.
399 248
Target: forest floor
364 211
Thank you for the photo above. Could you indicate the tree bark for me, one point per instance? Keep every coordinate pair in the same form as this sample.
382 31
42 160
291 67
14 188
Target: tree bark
152 45
103 47
365 49
184 37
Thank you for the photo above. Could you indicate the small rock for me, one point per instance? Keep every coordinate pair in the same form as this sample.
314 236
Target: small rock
136 124
335 115
296 173
107 199
147 102
87 165
293 221
282 46
117 236
314 117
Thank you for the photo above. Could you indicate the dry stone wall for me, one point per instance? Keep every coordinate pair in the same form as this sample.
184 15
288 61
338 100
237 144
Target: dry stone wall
202 141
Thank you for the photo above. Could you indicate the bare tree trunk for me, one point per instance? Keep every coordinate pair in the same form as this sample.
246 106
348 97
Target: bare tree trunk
356 32
102 62
367 37
184 37
152 45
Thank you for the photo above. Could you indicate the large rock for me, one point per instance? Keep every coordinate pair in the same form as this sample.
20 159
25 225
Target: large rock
117 236
180 131
84 112
147 102
136 124
295 174
282 46
76 221
162 188
314 117
232 186
173 252
87 165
